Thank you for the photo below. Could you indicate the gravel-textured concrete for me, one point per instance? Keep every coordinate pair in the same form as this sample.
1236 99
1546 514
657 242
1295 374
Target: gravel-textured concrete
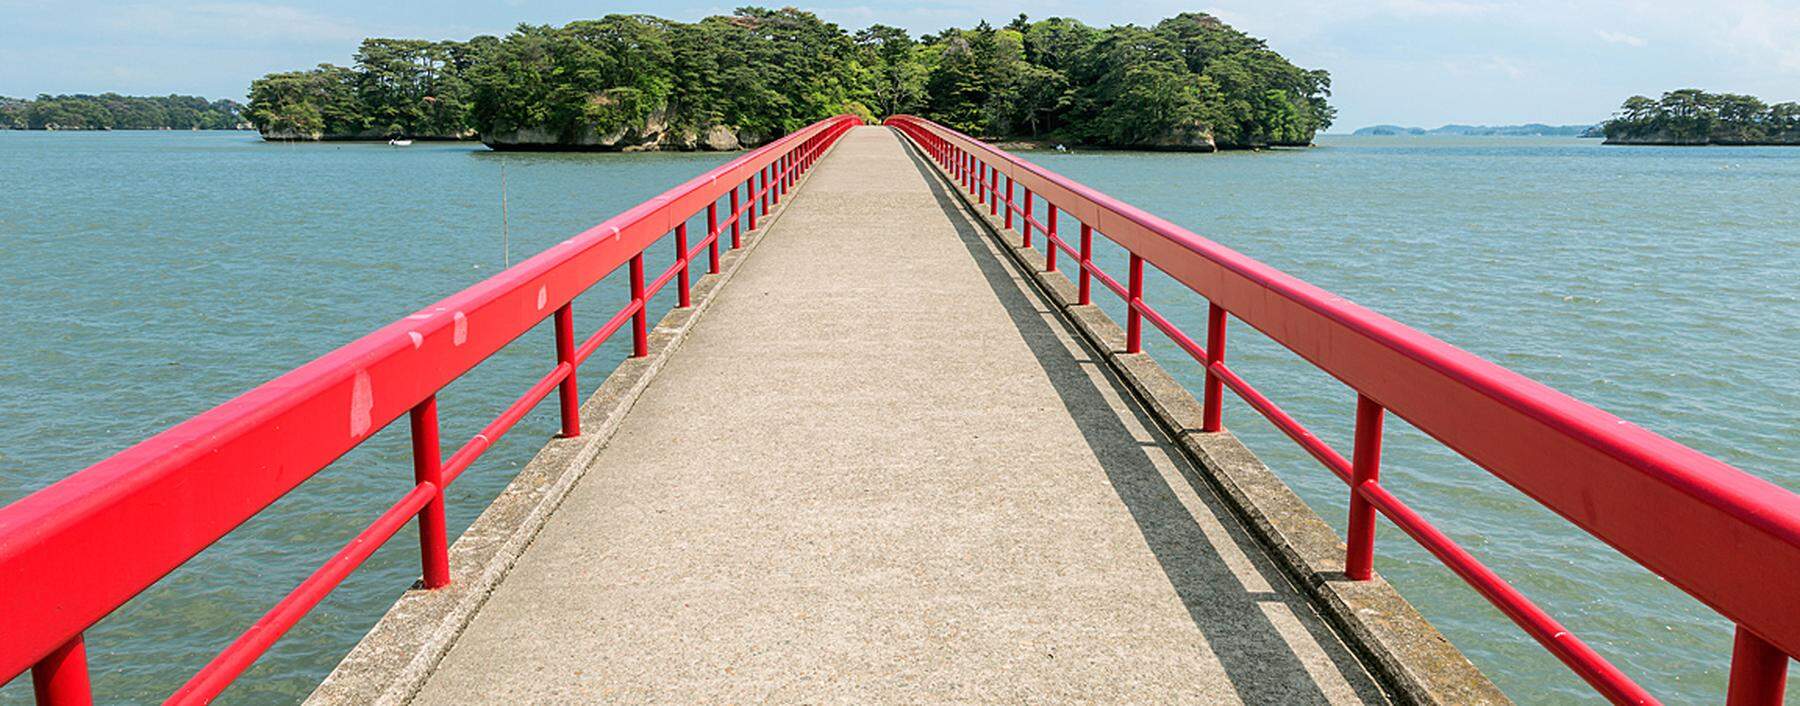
882 468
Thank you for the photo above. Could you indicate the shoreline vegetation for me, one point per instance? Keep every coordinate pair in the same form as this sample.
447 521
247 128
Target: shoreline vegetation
637 82
111 111
1691 116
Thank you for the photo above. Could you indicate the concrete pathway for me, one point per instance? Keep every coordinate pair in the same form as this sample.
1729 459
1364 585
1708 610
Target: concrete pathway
880 469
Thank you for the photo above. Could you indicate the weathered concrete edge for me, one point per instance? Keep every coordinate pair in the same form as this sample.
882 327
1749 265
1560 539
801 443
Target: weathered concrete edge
1414 661
392 661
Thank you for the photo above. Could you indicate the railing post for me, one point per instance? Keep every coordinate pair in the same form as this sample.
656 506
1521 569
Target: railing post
993 191
1212 411
1758 671
712 237
750 198
1009 202
1134 321
737 239
1027 216
981 179
681 260
1050 238
762 188
1365 468
1087 260
640 321
61 677
565 353
427 468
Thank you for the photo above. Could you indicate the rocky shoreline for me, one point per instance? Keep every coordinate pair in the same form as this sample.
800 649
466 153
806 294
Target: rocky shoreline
1668 140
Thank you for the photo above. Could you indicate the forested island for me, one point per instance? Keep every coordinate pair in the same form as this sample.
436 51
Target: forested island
636 82
111 111
1694 117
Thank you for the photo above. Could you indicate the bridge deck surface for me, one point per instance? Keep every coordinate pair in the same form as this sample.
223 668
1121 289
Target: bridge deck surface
882 469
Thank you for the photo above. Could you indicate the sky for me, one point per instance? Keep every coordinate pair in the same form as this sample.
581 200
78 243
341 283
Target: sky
1408 62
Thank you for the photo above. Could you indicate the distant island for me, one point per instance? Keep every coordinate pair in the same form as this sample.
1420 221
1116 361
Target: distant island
1526 130
636 82
111 111
1694 117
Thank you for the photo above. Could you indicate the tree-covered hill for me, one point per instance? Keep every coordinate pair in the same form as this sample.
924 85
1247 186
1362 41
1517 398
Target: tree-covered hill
111 111
1694 117
628 82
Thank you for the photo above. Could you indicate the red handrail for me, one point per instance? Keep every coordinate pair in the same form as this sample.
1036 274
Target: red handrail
80 548
1727 538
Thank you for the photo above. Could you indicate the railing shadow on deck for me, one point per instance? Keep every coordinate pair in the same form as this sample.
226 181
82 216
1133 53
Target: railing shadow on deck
1261 665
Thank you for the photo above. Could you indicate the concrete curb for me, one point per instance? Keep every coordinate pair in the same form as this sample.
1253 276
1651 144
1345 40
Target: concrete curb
1415 662
392 661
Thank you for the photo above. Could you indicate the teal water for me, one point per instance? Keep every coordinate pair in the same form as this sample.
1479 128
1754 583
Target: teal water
149 276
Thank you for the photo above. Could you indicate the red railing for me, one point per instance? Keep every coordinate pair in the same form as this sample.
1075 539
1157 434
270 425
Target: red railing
75 551
1725 537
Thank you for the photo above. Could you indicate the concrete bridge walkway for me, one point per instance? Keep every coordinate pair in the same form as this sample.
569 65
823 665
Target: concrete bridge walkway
880 468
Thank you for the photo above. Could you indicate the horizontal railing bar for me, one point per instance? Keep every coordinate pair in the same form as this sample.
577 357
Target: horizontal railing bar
666 277
1571 650
483 440
1181 340
1332 460
606 331
1105 280
219 673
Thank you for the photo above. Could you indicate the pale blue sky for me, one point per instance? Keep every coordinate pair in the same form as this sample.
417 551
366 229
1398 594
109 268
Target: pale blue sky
1415 62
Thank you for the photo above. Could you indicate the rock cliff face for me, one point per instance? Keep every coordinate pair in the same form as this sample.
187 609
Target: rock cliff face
1194 138
654 134
1664 137
290 135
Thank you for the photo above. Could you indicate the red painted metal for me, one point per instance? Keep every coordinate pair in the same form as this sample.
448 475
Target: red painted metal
1758 671
1086 259
981 173
737 238
1029 218
1213 405
565 354
1728 538
683 293
428 469
61 677
712 237
1009 203
1365 467
1134 317
1051 242
993 192
88 543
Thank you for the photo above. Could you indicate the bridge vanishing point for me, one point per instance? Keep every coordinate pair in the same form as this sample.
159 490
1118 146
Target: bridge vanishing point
886 449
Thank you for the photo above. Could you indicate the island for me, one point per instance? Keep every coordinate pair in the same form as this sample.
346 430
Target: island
111 111
636 82
1691 116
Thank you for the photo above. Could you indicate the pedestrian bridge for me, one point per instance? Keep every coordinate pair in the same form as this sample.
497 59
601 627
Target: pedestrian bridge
886 449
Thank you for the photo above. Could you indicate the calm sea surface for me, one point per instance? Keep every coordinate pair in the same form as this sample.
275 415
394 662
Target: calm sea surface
145 277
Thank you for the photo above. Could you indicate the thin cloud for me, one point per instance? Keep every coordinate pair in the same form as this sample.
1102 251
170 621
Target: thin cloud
1620 38
239 21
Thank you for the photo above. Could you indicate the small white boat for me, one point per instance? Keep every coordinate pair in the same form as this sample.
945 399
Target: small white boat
398 142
